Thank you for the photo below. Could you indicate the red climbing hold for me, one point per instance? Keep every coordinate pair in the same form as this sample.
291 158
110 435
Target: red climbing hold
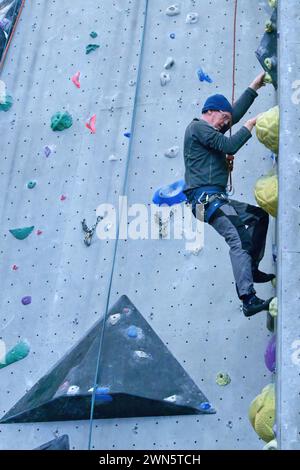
15 267
75 79
39 232
91 124
62 197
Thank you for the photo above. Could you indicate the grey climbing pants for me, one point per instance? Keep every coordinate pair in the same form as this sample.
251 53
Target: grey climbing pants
244 228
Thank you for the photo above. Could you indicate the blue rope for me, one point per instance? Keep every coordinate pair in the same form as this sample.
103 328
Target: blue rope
133 119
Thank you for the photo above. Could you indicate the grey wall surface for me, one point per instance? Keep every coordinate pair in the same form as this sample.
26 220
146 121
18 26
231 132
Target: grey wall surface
189 300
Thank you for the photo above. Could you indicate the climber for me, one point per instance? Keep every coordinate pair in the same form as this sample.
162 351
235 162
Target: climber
243 226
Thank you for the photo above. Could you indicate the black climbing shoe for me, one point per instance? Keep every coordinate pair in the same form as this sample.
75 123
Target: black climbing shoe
260 277
253 305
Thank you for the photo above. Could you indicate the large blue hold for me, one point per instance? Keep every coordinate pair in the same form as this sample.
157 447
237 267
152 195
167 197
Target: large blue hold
171 194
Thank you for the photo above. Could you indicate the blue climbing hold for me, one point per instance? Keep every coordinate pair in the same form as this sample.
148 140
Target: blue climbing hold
102 395
172 36
132 331
171 194
203 77
31 184
21 233
127 134
205 406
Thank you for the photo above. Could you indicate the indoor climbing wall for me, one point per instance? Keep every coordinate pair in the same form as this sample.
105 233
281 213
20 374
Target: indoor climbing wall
54 287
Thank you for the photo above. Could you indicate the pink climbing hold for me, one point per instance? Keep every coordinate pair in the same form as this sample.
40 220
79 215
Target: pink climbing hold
63 198
15 267
91 124
75 79
39 232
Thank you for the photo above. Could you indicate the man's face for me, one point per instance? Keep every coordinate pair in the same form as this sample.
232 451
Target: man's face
220 119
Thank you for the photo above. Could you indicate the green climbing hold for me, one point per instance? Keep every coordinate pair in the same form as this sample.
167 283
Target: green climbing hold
223 379
21 233
61 121
31 184
93 34
18 352
91 48
267 78
7 104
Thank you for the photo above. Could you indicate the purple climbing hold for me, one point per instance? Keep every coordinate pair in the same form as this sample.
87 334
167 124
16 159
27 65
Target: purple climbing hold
203 77
270 354
127 134
26 300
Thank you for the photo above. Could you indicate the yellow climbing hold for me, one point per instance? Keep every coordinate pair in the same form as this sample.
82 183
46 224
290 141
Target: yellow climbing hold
267 129
223 379
262 413
268 78
273 307
266 193
272 3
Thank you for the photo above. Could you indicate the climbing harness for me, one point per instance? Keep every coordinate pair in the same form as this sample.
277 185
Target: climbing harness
211 201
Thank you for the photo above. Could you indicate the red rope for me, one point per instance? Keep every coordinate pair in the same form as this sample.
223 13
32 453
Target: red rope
230 158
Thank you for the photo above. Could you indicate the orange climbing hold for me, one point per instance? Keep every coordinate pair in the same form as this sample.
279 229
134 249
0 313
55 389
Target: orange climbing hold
75 79
91 124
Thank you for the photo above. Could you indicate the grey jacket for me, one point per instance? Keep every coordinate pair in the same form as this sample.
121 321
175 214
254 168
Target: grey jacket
205 147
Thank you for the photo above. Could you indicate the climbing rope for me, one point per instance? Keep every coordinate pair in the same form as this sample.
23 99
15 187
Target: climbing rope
230 158
133 119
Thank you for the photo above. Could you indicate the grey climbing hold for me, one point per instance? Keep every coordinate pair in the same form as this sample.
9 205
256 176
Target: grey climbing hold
21 233
7 103
172 152
26 300
18 352
31 184
91 47
112 158
192 18
61 121
164 78
93 34
169 63
173 10
131 82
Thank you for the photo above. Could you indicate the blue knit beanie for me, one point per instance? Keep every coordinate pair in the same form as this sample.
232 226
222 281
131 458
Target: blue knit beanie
217 103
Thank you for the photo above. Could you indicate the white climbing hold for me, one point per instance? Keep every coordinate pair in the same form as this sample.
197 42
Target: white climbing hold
113 319
142 355
272 445
169 63
164 78
112 158
192 18
172 398
172 152
173 10
273 307
2 92
73 390
131 82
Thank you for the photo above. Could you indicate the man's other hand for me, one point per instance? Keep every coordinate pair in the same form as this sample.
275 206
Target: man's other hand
258 82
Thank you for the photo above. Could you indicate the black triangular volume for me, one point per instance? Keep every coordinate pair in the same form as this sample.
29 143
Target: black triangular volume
60 443
137 376
268 49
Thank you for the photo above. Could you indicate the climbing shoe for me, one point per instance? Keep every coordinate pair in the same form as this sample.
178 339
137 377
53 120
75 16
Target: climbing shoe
259 277
253 305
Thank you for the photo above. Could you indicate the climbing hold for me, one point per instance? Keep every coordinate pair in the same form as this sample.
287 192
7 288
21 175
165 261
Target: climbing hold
273 281
39 232
132 331
266 193
270 62
91 124
127 310
63 197
262 413
93 34
61 121
113 319
91 47
73 390
75 79
173 10
127 134
192 18
14 267
164 78
18 352
26 300
269 27
171 398
5 24
273 307
270 354
131 82
169 63
31 184
267 78
203 77
272 445
21 233
172 152
273 3
205 406
48 149
172 36
142 355
7 103
102 394
112 158
2 91
170 195
223 379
